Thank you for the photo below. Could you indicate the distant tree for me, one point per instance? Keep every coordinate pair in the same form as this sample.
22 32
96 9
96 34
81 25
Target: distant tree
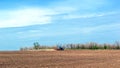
21 49
117 44
36 45
105 46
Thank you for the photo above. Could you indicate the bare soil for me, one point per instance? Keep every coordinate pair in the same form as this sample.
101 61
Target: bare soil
61 59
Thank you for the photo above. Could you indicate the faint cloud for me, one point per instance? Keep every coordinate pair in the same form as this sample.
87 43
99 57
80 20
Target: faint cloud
72 16
101 28
80 4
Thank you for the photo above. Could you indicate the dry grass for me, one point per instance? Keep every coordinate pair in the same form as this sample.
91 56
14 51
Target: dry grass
43 50
61 59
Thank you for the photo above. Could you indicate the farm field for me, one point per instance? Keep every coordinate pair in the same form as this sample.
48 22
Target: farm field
60 59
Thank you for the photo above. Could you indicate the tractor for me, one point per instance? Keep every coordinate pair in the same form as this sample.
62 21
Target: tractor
59 48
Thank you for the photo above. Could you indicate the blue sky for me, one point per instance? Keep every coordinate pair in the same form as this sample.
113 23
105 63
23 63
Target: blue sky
50 22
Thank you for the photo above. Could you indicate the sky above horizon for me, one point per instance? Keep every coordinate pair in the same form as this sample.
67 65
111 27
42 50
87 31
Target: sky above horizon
49 22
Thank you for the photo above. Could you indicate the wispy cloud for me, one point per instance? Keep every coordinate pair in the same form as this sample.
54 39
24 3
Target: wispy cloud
80 5
68 31
100 28
90 15
43 33
25 17
30 16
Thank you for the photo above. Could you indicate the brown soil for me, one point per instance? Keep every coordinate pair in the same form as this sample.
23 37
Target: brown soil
61 59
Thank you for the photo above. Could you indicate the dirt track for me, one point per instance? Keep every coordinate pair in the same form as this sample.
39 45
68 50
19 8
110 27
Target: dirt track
61 59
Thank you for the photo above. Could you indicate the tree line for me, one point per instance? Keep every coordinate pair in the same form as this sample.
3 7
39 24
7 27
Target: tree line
91 45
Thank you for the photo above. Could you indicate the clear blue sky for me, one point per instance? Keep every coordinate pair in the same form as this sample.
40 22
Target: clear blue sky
49 22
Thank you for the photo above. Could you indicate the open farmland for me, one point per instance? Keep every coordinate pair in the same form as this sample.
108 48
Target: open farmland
61 59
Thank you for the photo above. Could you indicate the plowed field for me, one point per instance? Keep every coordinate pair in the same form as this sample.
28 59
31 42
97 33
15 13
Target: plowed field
61 59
